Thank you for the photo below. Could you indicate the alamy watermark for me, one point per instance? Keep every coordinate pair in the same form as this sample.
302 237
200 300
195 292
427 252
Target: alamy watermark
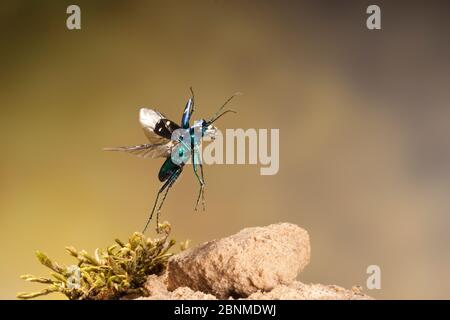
73 21
74 280
374 279
373 21
237 146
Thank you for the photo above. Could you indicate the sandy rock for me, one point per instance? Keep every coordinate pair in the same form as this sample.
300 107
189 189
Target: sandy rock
185 293
156 286
256 263
301 291
255 259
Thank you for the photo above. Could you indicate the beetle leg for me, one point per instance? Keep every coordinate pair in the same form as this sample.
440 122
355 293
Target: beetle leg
171 180
204 185
166 186
200 180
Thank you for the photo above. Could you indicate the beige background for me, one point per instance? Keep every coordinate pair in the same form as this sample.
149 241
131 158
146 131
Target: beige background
363 119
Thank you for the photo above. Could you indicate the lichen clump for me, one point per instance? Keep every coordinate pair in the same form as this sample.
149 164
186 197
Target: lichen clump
115 273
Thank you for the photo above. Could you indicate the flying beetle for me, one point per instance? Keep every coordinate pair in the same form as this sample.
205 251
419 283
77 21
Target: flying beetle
176 148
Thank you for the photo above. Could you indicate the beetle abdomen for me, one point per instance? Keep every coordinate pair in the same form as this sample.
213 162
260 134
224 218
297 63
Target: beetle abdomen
167 169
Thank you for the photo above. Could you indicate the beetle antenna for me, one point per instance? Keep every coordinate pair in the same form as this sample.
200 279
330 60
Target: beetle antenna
217 115
193 99
226 111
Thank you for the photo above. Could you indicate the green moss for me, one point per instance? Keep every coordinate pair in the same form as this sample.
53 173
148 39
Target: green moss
118 272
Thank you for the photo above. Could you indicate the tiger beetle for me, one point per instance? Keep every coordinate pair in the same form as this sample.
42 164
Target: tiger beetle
176 143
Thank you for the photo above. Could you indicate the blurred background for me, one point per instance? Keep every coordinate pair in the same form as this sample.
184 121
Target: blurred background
363 116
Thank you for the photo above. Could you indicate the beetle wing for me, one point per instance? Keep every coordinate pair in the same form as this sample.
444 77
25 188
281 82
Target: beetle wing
157 127
147 150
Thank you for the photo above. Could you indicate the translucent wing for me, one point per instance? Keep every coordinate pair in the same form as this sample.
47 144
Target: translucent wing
147 150
157 127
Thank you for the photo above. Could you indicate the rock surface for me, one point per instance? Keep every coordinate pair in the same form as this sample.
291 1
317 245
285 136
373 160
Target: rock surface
255 259
157 286
256 263
301 291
